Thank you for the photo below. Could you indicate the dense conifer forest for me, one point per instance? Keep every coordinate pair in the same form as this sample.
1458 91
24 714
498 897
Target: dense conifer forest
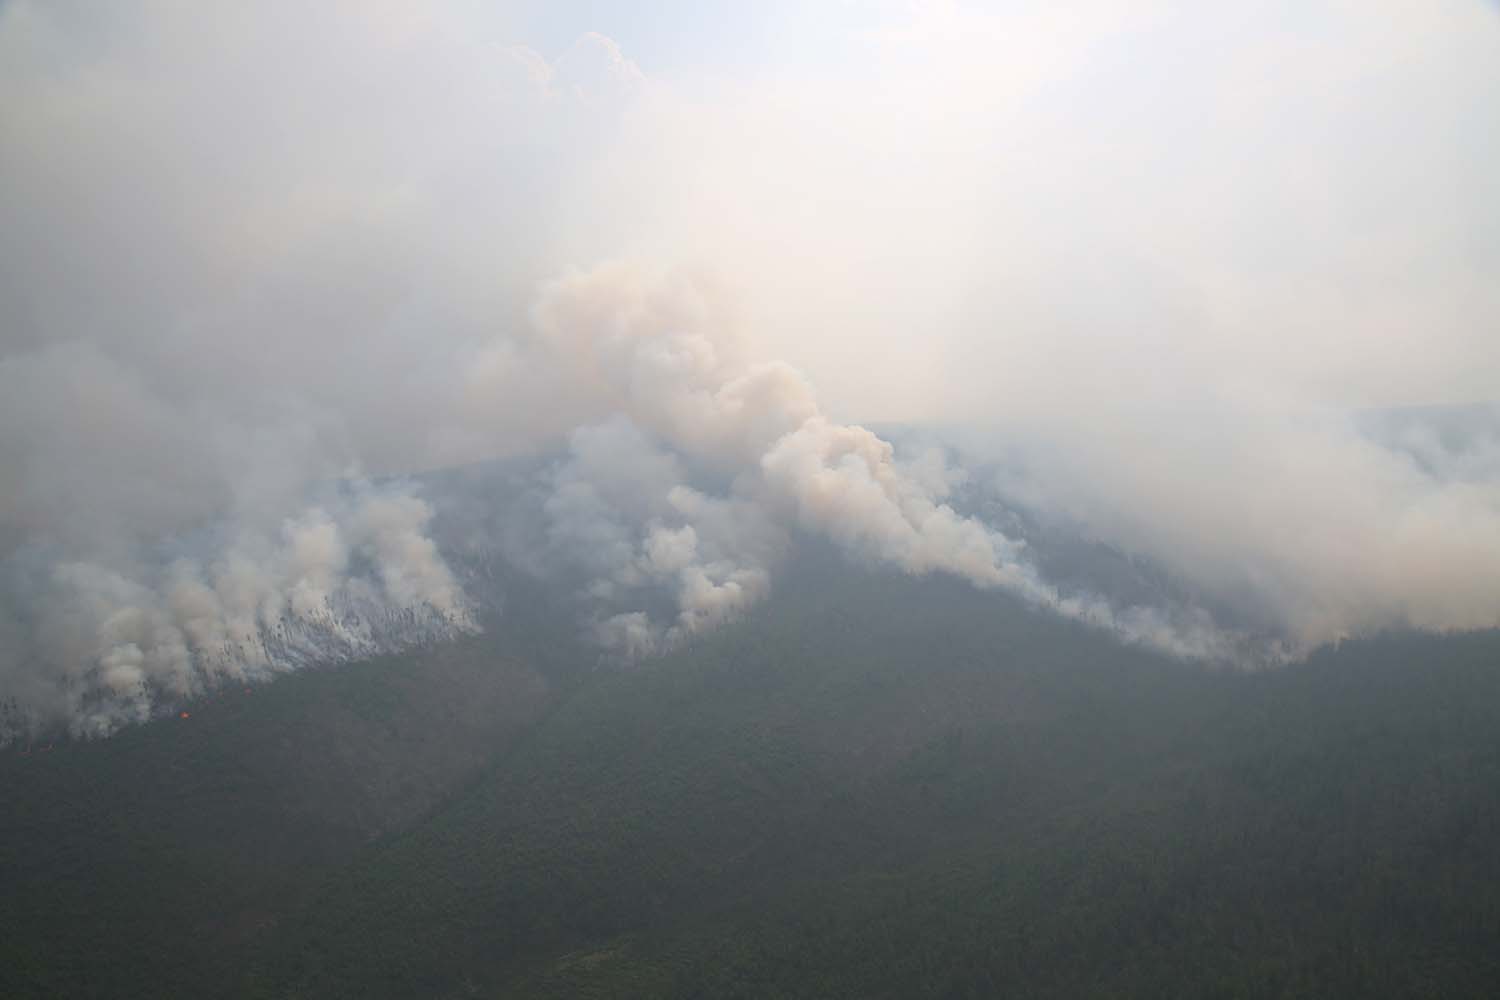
875 786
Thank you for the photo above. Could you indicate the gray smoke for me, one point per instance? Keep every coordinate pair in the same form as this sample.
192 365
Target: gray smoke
1321 526
253 258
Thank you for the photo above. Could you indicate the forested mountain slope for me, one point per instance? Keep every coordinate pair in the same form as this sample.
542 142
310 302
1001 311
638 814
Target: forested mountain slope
874 786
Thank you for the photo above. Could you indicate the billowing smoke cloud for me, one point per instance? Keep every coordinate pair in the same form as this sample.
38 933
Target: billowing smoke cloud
622 512
92 648
624 507
1167 267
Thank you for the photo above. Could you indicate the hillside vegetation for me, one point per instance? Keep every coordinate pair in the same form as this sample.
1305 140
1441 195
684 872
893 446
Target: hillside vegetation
876 786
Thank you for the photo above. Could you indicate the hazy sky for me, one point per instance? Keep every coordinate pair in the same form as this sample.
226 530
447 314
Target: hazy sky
977 202
1160 255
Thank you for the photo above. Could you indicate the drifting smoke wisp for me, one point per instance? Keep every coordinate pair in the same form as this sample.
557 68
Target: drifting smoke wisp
1318 527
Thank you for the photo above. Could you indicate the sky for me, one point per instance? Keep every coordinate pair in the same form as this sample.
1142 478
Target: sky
1283 204
1159 262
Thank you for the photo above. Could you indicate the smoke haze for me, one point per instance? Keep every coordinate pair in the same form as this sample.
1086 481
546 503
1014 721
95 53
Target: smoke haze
1215 288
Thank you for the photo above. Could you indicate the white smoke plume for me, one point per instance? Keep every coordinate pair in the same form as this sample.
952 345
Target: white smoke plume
93 648
624 510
